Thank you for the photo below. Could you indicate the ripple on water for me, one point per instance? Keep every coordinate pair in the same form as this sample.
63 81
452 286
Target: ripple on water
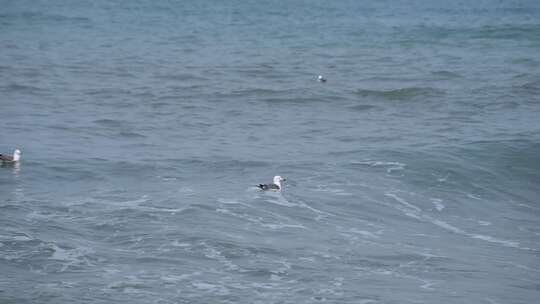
411 93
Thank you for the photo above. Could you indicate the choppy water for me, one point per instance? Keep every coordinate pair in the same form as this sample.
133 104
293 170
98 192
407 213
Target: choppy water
412 173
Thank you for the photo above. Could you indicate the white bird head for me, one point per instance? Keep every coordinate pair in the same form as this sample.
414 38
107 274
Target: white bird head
278 179
16 155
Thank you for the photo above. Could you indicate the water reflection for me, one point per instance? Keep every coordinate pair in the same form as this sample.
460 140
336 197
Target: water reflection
14 166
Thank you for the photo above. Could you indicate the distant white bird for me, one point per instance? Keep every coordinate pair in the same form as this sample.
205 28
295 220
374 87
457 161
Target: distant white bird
321 78
11 159
276 185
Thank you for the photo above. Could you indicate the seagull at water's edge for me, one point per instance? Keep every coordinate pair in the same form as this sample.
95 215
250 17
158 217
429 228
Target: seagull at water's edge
11 159
276 185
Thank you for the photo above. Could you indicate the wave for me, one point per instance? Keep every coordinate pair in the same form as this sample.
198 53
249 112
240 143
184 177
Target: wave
531 32
417 213
107 92
39 16
22 88
257 91
445 35
181 77
110 122
401 94
532 87
75 258
362 107
389 166
446 74
127 134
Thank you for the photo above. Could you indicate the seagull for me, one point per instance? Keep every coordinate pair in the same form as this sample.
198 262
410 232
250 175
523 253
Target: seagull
321 79
276 185
11 159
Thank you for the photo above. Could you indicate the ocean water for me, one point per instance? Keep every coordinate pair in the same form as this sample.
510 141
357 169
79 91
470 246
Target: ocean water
412 173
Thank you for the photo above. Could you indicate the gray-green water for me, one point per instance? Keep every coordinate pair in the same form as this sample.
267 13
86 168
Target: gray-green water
412 172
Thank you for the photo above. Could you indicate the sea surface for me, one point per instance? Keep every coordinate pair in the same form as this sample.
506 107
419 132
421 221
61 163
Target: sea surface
412 173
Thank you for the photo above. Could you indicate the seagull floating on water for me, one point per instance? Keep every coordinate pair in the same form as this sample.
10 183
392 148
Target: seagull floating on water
321 78
11 159
276 185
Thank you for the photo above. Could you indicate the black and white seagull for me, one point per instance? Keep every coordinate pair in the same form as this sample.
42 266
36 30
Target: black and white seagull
11 159
321 78
276 185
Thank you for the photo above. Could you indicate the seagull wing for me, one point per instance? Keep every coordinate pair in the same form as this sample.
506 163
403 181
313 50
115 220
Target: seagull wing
6 157
268 187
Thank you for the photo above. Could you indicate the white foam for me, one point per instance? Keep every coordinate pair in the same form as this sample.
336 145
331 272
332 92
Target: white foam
321 213
534 268
178 244
486 238
392 166
281 201
241 216
491 239
365 233
447 226
202 285
229 201
474 197
185 190
39 215
175 278
307 259
111 203
527 206
335 191
282 226
443 179
338 281
383 272
438 204
415 212
285 266
158 209
71 257
22 238
274 277
134 202
402 201
271 286
213 288
427 285
215 254
273 226
491 301
366 301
